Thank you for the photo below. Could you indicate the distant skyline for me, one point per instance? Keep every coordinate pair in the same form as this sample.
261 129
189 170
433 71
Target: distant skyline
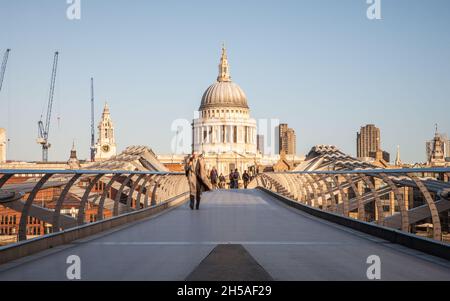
320 65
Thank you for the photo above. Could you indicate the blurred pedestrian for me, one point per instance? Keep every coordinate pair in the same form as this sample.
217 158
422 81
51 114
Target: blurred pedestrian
214 177
246 178
197 178
222 181
236 176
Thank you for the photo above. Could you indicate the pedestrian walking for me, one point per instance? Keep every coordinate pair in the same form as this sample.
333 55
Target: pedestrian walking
197 178
214 177
236 178
246 179
222 181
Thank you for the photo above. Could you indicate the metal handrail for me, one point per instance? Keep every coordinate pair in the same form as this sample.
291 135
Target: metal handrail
130 187
84 171
371 171
324 184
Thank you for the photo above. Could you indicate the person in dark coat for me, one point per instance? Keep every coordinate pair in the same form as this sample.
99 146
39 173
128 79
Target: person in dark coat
197 178
236 177
246 178
214 177
231 180
222 181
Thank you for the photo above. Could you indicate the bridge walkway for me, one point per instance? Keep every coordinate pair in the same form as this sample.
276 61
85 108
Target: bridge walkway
267 240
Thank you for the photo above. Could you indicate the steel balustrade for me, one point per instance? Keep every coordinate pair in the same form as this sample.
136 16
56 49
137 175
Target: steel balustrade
361 209
400 201
329 190
344 196
430 202
26 208
60 201
102 200
378 205
311 184
130 186
85 197
347 192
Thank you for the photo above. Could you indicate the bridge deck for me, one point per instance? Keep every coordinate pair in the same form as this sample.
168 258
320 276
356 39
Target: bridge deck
287 244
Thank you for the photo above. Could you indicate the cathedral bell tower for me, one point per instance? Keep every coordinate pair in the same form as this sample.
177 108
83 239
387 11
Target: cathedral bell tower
437 155
106 143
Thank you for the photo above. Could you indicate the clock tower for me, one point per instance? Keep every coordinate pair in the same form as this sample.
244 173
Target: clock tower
106 143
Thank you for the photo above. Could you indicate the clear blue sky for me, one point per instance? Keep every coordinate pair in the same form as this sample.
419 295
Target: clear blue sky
320 66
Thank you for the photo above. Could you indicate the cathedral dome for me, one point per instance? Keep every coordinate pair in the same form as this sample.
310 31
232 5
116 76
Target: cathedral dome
224 93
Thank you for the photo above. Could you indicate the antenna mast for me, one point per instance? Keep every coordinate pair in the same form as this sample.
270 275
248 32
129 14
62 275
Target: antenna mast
92 122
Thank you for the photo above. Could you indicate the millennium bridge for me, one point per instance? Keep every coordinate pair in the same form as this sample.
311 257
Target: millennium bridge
322 221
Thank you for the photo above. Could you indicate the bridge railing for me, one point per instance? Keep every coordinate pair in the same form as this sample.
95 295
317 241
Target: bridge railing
43 202
415 200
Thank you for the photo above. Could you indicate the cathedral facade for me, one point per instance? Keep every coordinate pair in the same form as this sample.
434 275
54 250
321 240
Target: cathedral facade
224 132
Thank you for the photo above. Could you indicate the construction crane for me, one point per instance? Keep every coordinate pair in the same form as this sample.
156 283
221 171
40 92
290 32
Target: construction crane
92 122
43 129
2 71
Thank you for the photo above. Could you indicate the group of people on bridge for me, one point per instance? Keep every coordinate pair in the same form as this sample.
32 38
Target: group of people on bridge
220 182
200 180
